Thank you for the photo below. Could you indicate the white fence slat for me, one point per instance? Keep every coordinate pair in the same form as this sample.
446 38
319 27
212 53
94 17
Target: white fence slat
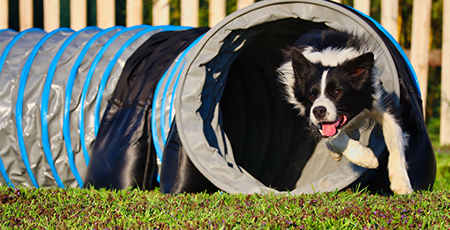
362 5
444 133
25 14
389 16
189 13
106 16
243 3
217 11
420 43
134 15
78 14
51 15
4 14
161 10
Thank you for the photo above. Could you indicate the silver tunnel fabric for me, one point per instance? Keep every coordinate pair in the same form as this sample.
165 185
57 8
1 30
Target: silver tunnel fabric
54 88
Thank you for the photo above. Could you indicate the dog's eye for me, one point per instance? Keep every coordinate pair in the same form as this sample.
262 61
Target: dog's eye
336 92
312 97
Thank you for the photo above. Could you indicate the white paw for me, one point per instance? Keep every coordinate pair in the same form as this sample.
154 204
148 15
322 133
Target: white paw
362 156
353 151
400 185
336 156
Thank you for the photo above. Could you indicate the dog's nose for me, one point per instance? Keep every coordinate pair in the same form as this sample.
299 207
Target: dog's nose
319 112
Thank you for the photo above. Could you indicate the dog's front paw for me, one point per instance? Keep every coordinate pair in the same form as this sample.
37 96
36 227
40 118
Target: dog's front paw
336 156
353 151
362 156
400 185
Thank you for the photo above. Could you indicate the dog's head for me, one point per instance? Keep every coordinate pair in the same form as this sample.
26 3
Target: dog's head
332 94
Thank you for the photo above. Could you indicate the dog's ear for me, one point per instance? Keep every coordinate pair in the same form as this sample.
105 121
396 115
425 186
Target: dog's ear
361 65
300 64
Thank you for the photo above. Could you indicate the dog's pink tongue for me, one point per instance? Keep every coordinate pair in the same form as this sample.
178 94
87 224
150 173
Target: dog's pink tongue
329 129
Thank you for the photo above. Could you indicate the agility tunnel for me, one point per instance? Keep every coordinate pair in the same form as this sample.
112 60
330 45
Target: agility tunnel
188 109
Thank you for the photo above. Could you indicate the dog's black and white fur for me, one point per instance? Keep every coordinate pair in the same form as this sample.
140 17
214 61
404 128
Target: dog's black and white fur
329 77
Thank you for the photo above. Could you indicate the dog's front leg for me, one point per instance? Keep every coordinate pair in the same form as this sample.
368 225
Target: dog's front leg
395 142
352 150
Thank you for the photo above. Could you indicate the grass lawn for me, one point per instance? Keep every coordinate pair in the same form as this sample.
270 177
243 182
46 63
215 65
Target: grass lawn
102 209
25 208
443 168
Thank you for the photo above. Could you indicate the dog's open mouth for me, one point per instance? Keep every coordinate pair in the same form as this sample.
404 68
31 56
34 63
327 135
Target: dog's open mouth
329 129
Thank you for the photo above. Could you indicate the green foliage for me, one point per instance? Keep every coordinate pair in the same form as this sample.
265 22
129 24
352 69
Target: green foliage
434 75
375 10
433 110
348 2
443 168
433 130
436 24
405 21
203 13
175 11
147 14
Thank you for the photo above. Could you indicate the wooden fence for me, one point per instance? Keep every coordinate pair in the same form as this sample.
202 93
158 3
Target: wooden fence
420 42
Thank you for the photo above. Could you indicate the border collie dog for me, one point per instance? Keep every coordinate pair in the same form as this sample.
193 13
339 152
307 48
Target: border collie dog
329 77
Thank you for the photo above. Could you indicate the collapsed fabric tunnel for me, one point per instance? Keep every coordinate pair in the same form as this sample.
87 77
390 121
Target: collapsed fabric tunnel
192 109
54 89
